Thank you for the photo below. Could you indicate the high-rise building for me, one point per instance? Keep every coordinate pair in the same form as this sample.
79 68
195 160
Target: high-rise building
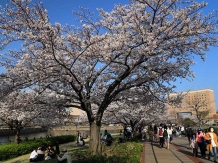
203 100
78 115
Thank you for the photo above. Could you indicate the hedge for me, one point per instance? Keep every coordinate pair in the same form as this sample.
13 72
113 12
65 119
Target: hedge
128 152
8 151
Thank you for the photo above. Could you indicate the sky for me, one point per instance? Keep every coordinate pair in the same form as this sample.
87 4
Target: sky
205 72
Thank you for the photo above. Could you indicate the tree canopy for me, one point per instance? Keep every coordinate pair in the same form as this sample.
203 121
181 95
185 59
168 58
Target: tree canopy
20 109
147 43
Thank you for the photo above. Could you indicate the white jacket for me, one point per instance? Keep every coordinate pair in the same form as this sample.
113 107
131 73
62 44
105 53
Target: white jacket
66 156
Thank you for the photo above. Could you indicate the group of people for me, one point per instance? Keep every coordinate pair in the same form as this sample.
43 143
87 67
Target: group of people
40 154
205 141
165 135
162 135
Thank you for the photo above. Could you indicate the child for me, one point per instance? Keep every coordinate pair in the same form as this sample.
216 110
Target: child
193 145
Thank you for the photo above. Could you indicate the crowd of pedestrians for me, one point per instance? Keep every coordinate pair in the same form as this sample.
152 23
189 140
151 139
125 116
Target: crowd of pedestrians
164 135
203 142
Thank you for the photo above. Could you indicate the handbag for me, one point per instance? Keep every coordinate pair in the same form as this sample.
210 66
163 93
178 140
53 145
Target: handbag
208 141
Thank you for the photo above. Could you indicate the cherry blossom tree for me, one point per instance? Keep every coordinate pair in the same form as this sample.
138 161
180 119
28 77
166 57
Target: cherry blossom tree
198 107
138 106
6 86
132 114
147 42
173 116
20 109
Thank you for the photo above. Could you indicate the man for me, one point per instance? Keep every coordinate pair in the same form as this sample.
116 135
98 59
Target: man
66 158
126 133
179 131
189 133
40 153
107 138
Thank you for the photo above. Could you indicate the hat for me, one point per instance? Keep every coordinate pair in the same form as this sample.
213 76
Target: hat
64 150
199 129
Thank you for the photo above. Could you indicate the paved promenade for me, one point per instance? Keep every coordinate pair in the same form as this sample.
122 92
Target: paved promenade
178 153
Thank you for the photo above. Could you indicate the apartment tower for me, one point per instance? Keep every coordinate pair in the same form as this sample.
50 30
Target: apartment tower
203 98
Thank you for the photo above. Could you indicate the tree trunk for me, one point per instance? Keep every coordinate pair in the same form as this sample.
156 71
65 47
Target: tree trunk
133 130
95 139
199 123
17 136
133 125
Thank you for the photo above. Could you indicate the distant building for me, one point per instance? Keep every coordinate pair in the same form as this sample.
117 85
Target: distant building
204 97
215 117
78 115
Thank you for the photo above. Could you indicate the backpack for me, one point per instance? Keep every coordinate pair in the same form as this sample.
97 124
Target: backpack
190 132
160 132
165 134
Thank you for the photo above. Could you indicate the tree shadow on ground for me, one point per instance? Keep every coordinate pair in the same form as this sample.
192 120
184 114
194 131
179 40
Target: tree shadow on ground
181 146
185 152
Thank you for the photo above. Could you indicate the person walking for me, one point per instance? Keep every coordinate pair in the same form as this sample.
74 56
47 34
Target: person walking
212 144
143 133
194 146
155 134
189 133
170 133
160 134
201 142
166 138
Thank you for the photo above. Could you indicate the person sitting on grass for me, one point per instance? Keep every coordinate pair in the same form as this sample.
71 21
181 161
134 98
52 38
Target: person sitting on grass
66 157
107 138
80 140
40 153
33 156
47 157
51 151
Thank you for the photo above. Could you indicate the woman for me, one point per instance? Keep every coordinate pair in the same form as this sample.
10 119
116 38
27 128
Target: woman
51 151
201 142
170 133
212 144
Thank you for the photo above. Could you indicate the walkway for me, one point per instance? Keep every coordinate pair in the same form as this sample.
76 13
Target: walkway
178 153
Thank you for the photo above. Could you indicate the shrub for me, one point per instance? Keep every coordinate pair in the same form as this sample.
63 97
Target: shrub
129 152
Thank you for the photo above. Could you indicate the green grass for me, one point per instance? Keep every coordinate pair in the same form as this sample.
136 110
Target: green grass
128 152
25 158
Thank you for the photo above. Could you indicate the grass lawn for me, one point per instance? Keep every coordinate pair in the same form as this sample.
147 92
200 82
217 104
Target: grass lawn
79 153
72 148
